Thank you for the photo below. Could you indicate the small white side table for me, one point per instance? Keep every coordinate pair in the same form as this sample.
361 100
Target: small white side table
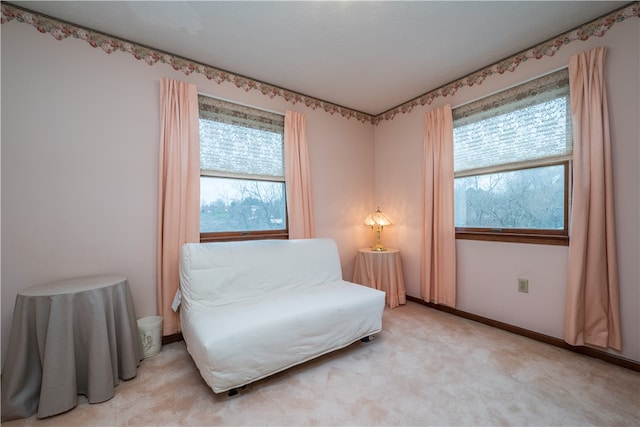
381 270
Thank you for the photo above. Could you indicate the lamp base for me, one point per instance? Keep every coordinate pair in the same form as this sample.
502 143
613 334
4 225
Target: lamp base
378 248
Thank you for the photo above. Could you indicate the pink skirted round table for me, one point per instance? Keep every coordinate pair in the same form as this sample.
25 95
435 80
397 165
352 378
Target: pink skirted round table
381 270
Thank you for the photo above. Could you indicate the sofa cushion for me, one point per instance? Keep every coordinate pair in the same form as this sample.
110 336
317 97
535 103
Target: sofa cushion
214 274
236 344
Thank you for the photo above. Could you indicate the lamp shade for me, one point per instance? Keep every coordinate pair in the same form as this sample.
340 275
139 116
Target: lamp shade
377 218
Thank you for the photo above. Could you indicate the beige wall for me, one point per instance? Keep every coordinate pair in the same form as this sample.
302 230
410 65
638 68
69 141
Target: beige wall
487 272
80 132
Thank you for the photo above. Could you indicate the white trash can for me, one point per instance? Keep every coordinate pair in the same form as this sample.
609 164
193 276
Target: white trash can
150 329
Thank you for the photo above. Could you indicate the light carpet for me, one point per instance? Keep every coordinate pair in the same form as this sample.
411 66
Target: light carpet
426 368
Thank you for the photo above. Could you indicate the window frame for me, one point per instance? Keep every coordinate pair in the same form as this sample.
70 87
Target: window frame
227 236
232 236
524 235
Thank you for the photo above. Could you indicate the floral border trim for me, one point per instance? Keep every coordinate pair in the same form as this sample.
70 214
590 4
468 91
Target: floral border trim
61 30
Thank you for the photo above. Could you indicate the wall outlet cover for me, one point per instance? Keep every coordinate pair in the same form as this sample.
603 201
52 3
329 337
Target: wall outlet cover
523 285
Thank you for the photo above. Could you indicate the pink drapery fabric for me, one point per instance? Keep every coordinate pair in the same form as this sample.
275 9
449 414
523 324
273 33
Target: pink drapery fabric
438 264
297 176
179 189
592 312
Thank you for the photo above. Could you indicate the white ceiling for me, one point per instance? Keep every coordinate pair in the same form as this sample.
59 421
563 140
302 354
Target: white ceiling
367 56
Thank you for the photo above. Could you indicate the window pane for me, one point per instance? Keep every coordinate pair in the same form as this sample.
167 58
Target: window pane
241 205
527 199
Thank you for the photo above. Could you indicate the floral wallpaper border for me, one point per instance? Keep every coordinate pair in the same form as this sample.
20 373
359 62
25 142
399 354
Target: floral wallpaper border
61 30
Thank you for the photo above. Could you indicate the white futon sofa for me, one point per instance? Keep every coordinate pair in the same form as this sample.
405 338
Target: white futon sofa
251 309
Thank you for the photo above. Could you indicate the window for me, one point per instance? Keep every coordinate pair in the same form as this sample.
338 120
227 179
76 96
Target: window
242 190
512 160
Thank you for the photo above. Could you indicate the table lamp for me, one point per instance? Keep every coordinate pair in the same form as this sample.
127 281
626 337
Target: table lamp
377 221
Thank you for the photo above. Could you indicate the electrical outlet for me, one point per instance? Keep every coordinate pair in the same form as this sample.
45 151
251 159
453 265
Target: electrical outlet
523 285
